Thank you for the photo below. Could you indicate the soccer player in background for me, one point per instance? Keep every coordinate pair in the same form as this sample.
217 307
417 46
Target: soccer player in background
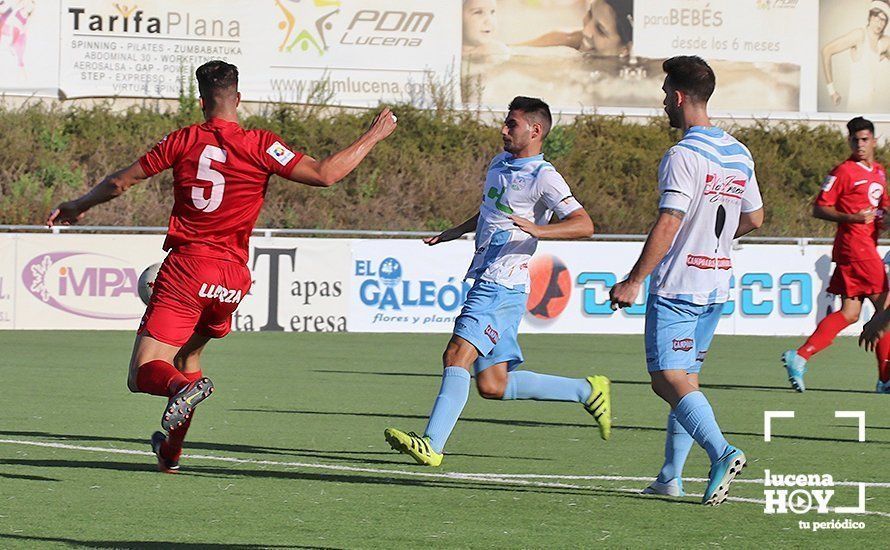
853 195
520 193
709 196
220 177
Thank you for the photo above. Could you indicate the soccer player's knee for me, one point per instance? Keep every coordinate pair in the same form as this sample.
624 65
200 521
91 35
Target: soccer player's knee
491 389
131 384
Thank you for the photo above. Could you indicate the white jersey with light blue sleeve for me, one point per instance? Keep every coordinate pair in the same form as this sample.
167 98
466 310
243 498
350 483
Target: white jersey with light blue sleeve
708 175
527 187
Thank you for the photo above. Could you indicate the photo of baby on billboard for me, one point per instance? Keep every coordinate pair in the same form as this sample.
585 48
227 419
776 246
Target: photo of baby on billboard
579 54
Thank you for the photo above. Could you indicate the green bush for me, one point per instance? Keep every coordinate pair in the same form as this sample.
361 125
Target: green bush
425 177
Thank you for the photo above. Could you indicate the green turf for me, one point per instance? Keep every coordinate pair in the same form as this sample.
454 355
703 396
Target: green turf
325 400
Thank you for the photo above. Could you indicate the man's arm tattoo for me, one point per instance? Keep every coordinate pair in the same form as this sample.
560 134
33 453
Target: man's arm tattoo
679 214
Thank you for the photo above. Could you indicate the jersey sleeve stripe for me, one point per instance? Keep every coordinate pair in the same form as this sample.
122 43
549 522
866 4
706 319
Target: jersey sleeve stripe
741 167
732 149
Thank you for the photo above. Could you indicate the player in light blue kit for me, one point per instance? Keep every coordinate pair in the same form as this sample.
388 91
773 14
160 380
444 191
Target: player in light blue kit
520 194
709 196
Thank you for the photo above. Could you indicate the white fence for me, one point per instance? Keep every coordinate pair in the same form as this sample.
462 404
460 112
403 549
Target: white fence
69 280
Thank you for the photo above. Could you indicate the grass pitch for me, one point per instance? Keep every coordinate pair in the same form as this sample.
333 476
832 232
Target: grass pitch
289 451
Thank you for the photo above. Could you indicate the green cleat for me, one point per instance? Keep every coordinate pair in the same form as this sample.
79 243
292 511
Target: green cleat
599 404
414 446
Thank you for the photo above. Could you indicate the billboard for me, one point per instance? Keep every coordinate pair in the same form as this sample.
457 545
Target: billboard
359 285
353 53
793 58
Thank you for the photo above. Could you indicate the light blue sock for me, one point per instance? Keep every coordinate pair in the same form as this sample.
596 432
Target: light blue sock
450 402
677 445
697 417
524 384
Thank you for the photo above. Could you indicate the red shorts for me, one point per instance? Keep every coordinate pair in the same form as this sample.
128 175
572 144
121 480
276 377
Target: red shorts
193 294
858 279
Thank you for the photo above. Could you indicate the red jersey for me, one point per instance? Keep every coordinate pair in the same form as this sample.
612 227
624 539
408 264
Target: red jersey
851 187
220 175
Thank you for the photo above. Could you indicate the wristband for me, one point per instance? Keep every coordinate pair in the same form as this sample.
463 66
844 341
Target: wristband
830 88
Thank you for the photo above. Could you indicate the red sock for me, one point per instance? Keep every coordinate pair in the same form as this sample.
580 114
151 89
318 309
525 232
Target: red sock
824 334
159 378
882 351
172 448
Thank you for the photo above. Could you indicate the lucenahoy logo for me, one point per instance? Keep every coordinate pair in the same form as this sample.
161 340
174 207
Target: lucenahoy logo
85 284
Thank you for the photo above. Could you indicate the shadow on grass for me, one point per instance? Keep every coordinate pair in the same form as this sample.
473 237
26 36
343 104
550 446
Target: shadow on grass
543 424
782 388
27 477
130 544
363 457
515 487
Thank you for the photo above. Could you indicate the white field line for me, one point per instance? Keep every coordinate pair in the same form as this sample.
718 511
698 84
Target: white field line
503 479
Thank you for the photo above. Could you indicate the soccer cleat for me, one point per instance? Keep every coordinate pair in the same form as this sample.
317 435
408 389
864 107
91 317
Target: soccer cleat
180 407
672 488
414 446
721 475
796 366
883 387
164 465
599 404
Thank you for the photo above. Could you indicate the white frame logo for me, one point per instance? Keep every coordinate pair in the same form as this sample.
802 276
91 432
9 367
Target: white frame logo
803 493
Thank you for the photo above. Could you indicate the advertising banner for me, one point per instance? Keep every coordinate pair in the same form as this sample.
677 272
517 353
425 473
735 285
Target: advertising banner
81 281
853 51
29 47
785 58
406 286
299 285
353 53
336 285
608 53
91 282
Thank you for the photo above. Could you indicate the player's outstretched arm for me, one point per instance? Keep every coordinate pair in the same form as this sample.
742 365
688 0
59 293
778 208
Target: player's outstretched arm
328 171
657 245
112 186
455 232
832 214
748 222
576 225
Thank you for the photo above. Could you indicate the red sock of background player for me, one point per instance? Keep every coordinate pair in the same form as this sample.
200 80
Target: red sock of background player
159 378
172 448
882 352
824 334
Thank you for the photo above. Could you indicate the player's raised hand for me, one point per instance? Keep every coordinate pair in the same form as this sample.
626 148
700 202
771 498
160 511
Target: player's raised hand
384 124
65 214
526 225
623 294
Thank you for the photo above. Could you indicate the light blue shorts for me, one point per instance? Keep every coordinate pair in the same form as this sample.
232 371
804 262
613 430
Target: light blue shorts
490 321
678 333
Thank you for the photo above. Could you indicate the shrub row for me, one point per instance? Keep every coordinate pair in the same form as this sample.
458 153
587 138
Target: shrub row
425 177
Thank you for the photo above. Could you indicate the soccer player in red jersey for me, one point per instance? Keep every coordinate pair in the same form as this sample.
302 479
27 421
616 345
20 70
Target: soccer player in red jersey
854 195
220 175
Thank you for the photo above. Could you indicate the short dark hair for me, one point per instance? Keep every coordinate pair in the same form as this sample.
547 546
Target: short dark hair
691 75
216 79
624 15
858 124
536 108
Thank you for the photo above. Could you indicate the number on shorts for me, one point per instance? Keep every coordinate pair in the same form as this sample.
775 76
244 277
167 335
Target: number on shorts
206 173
